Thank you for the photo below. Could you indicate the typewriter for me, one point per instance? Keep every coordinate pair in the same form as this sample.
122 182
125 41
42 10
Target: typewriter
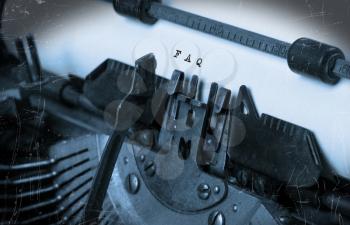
143 144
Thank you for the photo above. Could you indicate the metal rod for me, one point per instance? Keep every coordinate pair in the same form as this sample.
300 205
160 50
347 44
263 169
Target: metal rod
102 177
220 30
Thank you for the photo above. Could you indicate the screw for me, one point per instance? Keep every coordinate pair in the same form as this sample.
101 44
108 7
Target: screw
216 218
142 158
150 168
210 145
235 208
284 219
126 160
216 189
204 191
210 141
145 138
132 184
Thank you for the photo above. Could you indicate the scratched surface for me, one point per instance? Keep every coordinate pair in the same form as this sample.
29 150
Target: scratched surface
75 36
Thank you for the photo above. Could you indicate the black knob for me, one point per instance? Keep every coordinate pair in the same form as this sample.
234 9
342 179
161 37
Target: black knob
309 57
136 8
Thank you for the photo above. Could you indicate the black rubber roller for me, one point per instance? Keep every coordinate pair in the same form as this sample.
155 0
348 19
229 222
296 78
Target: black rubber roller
136 8
309 57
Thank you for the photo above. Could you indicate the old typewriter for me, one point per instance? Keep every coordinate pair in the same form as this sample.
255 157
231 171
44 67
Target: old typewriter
124 145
